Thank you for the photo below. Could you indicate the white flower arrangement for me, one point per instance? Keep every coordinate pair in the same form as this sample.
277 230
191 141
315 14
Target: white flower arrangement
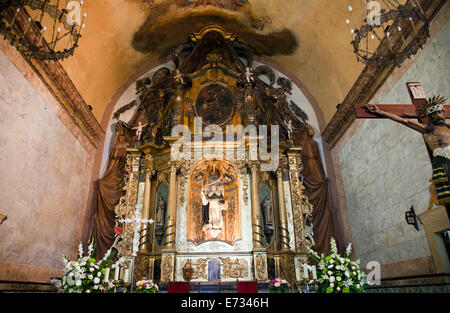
338 274
85 275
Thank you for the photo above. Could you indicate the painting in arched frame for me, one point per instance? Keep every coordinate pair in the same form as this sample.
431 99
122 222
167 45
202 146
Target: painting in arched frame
213 207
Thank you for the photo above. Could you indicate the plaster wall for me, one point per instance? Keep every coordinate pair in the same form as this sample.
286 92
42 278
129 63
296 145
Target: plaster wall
386 169
45 179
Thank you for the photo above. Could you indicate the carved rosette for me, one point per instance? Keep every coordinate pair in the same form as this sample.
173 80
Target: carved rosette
237 268
167 268
301 207
261 267
127 203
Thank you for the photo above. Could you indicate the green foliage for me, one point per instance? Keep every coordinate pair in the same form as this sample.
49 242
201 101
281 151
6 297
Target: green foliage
85 275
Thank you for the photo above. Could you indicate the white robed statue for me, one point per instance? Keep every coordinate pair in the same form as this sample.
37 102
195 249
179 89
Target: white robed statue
214 204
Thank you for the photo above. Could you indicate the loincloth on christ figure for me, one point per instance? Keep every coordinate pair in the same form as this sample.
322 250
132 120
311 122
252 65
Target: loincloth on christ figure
441 174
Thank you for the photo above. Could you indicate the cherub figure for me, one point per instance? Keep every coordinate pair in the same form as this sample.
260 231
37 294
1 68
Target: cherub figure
289 128
249 75
178 77
139 130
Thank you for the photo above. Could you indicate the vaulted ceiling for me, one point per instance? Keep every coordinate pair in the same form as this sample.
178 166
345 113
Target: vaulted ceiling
322 57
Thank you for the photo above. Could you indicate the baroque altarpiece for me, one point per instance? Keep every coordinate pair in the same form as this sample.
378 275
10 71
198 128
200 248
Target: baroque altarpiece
212 218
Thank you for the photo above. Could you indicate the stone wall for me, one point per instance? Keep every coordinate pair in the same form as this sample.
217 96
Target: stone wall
45 175
386 169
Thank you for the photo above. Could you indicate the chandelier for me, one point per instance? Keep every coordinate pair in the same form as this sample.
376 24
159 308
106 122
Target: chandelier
389 32
42 29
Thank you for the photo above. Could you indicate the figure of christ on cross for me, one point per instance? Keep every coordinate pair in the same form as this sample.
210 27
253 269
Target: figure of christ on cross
436 133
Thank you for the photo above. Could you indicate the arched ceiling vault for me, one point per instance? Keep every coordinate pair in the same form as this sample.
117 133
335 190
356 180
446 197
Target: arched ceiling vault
307 37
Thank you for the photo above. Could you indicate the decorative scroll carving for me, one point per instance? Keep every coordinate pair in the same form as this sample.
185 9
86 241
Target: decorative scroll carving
302 209
264 177
141 267
184 168
127 204
199 268
163 178
260 267
237 268
242 168
166 267
287 267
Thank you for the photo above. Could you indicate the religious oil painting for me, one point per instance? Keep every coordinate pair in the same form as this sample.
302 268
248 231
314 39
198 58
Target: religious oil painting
214 104
213 211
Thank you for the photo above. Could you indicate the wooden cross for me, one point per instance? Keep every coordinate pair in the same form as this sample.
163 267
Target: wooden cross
418 99
407 111
417 96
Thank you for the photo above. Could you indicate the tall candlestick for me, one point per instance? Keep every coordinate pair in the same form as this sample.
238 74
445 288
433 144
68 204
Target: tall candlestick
106 275
305 271
314 272
116 273
125 279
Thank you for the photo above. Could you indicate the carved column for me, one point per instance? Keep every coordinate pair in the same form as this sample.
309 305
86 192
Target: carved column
256 224
126 209
144 234
259 251
171 207
301 208
284 234
168 253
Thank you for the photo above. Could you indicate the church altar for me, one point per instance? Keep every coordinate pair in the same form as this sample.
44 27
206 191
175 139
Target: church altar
206 208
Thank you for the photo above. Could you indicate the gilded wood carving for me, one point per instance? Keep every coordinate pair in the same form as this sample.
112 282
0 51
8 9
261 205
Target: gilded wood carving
166 268
127 204
260 267
199 268
302 209
237 268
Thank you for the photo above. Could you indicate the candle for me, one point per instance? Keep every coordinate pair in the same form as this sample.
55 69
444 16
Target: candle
125 278
305 271
116 273
314 272
106 275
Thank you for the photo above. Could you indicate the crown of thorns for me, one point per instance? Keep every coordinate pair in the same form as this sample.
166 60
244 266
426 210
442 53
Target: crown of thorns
432 105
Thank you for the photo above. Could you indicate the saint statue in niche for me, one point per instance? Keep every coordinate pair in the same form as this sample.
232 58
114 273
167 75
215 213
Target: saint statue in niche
267 211
214 104
212 210
160 212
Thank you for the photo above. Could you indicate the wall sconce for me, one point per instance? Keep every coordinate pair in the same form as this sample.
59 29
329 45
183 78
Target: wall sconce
2 218
411 218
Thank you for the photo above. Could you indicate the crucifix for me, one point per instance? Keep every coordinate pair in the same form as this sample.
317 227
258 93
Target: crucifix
428 118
